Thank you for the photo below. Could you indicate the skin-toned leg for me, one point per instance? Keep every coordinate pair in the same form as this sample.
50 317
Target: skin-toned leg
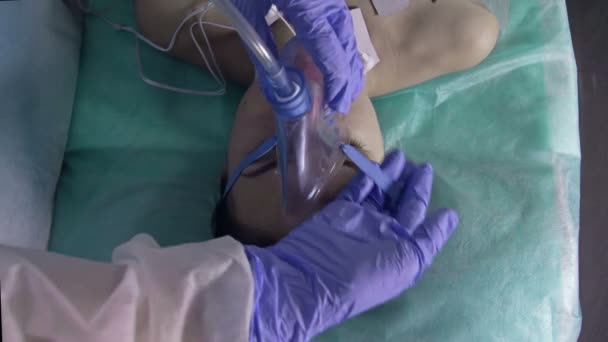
426 40
158 19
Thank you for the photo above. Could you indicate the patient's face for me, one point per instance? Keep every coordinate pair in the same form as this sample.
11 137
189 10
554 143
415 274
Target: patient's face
255 201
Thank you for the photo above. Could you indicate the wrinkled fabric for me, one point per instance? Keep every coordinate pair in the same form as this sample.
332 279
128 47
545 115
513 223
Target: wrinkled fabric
360 251
39 49
502 138
191 293
325 27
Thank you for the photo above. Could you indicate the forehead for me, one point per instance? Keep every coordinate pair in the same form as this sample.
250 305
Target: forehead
254 123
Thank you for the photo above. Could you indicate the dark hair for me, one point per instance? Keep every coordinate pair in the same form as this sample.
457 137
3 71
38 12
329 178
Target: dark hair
224 224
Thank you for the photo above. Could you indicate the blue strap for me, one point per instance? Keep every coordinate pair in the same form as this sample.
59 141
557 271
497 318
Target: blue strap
371 169
260 151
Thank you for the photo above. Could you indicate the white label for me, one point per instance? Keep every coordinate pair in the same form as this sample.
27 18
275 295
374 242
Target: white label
364 42
273 15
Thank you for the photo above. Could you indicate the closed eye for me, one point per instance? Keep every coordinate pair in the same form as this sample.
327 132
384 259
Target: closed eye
267 162
359 146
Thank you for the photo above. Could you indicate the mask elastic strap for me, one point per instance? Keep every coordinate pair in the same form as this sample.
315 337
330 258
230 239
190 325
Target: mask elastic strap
371 169
368 167
260 151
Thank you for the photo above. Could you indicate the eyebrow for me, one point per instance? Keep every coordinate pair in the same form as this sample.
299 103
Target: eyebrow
259 152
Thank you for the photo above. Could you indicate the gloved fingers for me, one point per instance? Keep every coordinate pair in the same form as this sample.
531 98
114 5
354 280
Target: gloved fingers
328 53
330 57
358 189
342 23
325 27
363 187
415 198
396 190
434 232
393 167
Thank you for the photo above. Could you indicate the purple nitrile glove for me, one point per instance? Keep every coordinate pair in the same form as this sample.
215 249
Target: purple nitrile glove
356 253
325 27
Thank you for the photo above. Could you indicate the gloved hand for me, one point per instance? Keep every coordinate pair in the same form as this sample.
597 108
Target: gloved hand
353 255
325 28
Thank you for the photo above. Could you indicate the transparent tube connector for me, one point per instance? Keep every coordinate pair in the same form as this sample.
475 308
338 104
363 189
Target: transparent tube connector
308 150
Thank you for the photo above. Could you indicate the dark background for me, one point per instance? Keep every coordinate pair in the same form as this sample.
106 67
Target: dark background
589 26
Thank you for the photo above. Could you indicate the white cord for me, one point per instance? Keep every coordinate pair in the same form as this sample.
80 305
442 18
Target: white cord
213 68
219 78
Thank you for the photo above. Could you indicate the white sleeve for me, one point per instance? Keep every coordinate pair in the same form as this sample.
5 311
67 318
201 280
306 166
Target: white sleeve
194 292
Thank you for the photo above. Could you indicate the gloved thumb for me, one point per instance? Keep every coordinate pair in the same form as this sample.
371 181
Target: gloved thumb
361 186
415 197
434 232
358 189
393 167
394 164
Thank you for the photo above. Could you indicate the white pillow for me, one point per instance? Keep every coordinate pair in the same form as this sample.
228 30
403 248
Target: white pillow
39 53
